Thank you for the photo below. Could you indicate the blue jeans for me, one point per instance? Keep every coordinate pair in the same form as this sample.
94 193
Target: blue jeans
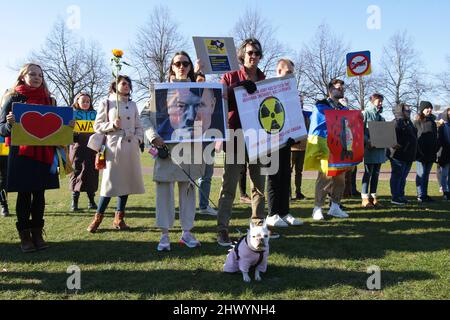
205 185
445 179
422 178
371 175
104 201
400 171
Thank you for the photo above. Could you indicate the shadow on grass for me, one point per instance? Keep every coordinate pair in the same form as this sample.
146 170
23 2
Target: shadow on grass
152 282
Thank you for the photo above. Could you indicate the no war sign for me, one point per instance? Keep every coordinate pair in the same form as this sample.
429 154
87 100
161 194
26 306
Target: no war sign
84 121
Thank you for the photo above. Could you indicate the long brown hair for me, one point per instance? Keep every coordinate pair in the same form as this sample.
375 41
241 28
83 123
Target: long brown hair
190 75
82 94
19 81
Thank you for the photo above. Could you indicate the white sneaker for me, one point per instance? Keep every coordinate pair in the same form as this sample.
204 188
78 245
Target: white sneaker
164 243
208 211
337 212
318 214
290 220
276 221
189 240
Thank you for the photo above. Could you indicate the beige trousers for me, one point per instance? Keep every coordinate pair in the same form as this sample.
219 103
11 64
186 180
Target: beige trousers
165 205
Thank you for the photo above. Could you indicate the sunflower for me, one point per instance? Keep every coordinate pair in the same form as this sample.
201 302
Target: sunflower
117 53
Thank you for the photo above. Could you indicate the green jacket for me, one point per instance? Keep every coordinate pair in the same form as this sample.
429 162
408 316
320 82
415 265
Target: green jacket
372 155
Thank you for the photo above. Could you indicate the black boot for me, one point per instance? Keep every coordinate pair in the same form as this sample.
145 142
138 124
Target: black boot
75 198
4 203
92 205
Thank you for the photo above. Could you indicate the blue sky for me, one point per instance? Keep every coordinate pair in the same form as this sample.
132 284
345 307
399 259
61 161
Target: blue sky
26 24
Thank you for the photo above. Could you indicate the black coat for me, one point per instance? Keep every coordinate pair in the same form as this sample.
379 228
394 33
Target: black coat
24 174
406 137
444 143
85 176
427 139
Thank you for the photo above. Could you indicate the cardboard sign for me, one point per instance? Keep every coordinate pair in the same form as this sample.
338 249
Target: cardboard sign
218 54
273 114
38 125
359 64
382 134
84 121
190 112
345 138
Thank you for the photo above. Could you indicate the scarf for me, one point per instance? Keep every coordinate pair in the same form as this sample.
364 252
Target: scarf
38 96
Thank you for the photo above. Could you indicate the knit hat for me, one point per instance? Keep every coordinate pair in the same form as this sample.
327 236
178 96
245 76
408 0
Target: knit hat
424 105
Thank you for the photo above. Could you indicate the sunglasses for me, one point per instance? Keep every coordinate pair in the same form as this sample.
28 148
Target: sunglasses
179 63
256 53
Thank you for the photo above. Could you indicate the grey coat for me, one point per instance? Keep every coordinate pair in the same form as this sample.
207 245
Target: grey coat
372 155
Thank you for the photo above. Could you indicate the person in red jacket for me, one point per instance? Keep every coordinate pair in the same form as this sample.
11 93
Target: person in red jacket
249 54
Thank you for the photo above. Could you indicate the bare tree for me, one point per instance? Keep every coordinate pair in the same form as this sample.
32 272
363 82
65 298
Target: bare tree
444 81
321 59
359 90
402 78
153 48
252 25
71 67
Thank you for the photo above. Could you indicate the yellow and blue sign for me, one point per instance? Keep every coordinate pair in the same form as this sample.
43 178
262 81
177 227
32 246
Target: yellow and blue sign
359 64
84 121
4 149
38 125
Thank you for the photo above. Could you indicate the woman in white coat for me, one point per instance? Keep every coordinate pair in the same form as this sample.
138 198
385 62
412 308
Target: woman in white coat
122 175
167 172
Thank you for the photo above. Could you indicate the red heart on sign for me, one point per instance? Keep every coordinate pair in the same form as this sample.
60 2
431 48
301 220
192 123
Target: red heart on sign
41 126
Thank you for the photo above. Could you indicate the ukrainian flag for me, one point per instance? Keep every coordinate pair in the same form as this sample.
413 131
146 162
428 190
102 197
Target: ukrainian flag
317 152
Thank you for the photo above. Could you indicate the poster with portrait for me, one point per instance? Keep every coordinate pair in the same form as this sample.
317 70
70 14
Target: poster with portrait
345 138
270 116
218 54
190 112
38 125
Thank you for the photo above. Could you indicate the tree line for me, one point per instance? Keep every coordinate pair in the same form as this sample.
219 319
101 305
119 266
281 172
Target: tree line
71 65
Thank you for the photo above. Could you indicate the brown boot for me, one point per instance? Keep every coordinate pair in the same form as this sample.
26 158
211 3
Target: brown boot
98 218
376 203
38 240
366 203
26 243
118 222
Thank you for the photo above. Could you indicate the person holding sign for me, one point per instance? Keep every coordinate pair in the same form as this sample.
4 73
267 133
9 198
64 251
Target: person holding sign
84 177
167 170
31 170
249 54
123 174
278 190
317 152
373 157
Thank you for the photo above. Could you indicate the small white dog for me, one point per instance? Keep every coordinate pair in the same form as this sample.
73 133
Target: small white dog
251 251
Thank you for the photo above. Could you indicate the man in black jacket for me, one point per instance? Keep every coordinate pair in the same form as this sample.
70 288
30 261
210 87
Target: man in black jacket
403 154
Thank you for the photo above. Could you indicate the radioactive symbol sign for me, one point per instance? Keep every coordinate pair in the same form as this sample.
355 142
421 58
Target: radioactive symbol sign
272 115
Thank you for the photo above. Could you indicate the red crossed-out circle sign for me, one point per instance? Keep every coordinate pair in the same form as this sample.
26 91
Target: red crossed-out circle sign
359 64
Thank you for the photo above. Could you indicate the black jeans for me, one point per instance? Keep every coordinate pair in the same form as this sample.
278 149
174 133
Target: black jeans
298 158
278 186
30 204
243 181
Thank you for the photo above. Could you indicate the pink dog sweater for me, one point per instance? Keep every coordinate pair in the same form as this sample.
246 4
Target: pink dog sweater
242 258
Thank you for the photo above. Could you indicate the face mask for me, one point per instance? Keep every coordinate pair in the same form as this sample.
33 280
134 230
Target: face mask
337 94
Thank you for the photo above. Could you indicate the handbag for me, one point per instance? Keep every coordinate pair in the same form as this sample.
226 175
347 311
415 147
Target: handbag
97 142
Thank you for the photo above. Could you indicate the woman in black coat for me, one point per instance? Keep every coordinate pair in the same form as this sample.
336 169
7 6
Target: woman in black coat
30 169
85 176
427 148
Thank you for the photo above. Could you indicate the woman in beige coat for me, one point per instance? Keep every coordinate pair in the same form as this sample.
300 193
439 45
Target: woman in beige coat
167 172
122 175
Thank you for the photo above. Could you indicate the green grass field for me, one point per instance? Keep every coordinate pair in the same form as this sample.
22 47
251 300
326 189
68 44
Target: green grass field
320 260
